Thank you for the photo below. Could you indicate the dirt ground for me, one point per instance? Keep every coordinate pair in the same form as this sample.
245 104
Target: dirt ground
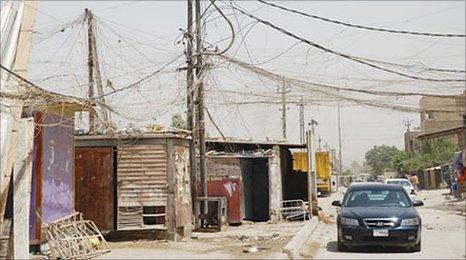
231 243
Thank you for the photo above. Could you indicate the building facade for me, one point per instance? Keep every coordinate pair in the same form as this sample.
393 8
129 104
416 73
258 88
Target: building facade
441 115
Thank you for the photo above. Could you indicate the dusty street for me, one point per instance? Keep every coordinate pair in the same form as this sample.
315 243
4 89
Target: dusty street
229 244
443 233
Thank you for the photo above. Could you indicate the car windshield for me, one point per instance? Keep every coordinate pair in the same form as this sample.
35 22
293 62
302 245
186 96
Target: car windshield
376 198
399 182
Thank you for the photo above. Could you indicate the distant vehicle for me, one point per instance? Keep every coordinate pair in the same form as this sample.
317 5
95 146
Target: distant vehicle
406 184
378 214
365 177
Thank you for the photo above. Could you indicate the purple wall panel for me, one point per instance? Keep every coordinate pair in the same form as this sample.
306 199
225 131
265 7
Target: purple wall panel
57 167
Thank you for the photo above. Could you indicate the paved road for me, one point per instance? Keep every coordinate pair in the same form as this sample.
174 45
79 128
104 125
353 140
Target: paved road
443 233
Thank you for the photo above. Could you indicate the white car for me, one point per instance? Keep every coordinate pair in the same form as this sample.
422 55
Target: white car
406 184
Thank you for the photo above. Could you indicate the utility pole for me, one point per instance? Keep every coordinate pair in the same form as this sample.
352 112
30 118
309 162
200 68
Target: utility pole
407 123
95 77
312 124
190 102
283 109
311 175
301 120
340 161
90 67
200 123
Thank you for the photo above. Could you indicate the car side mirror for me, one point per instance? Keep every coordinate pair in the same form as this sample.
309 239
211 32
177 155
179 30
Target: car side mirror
336 203
418 203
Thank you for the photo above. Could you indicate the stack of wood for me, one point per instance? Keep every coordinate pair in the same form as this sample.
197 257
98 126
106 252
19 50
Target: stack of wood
72 237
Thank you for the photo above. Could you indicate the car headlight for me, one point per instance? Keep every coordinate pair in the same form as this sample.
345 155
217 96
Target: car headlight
349 221
410 222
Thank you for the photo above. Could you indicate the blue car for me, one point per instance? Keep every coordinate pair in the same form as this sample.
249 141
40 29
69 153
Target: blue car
378 214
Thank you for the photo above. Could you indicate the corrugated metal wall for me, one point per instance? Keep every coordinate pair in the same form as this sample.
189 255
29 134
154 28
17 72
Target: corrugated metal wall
142 184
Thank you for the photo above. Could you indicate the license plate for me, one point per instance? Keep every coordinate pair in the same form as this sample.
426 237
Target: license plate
380 233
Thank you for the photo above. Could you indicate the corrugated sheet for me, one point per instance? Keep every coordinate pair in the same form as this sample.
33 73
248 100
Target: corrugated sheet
142 181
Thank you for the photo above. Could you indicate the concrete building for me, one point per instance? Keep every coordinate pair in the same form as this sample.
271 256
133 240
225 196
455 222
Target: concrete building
265 171
441 115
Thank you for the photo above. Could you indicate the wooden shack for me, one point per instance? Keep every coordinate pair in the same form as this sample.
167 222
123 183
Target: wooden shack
134 183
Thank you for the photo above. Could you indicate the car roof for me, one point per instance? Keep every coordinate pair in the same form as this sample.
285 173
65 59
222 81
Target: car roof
373 186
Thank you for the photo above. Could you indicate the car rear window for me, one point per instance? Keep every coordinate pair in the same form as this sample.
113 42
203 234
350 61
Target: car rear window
376 198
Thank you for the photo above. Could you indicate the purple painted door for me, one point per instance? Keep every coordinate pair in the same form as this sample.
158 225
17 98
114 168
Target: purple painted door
57 167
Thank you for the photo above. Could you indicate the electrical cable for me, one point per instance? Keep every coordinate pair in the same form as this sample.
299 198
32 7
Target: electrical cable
232 33
343 55
361 26
284 79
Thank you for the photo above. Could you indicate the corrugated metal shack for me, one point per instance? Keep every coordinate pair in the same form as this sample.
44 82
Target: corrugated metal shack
134 183
264 172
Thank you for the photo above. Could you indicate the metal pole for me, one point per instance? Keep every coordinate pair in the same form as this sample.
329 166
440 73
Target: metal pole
200 102
340 161
301 120
190 103
283 109
90 67
311 176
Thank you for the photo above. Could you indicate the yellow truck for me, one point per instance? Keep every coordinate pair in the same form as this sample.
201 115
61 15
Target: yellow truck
324 172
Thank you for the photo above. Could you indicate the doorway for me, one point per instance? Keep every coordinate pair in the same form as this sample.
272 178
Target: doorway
255 174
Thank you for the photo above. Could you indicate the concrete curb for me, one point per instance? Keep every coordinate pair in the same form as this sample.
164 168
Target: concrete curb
297 243
301 239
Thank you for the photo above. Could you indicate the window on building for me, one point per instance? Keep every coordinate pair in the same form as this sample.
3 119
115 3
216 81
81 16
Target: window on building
429 115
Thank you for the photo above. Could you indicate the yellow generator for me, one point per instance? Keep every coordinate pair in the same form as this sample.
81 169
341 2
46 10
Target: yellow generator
300 162
324 172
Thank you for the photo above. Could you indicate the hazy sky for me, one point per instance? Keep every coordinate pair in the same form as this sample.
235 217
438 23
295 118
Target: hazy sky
138 37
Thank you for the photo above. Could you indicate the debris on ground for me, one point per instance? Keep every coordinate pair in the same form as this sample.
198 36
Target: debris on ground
254 249
250 249
72 237
243 238
324 218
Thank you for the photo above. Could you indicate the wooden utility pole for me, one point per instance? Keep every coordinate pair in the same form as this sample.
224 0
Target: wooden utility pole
190 102
90 67
200 123
95 77
98 81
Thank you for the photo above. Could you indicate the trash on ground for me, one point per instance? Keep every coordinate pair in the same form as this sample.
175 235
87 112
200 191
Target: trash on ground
243 237
254 249
72 237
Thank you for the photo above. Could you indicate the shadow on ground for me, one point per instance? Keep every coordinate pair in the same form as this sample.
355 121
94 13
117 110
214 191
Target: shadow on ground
332 247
